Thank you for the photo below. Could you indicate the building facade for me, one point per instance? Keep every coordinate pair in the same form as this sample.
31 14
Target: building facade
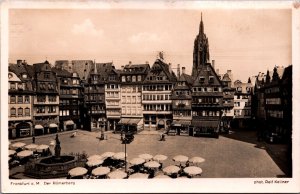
156 96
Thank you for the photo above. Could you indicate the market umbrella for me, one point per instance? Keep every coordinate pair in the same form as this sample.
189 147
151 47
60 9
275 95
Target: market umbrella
118 174
78 171
171 169
41 148
146 156
160 157
196 160
31 147
137 161
119 156
94 162
180 158
152 164
11 152
100 171
139 176
192 170
93 157
107 154
25 153
162 176
18 145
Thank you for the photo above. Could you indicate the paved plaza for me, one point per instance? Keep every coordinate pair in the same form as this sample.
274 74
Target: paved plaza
226 157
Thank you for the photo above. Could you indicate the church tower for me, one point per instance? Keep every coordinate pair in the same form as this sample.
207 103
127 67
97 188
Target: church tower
201 50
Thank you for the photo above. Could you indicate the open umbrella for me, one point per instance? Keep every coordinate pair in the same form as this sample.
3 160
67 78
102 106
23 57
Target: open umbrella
152 164
196 160
94 162
93 157
138 176
162 176
18 145
100 171
181 158
25 153
11 152
31 147
137 161
119 156
118 174
160 157
107 154
192 170
41 148
78 171
171 169
146 156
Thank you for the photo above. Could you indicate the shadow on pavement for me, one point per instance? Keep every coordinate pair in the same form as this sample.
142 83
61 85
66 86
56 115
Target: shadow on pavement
278 152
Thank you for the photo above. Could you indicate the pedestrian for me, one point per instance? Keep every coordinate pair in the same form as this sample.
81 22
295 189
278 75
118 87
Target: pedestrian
33 139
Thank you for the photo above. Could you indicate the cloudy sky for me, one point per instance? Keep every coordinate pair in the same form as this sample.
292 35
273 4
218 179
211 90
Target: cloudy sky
245 41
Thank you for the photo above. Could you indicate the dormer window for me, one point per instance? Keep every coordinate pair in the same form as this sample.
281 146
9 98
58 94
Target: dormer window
20 86
201 80
24 76
123 79
134 78
211 79
12 86
10 75
239 89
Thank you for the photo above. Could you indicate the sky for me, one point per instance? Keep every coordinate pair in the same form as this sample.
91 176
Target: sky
244 41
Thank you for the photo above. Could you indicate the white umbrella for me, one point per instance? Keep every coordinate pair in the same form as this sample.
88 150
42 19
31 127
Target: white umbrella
94 162
160 157
117 175
42 147
146 156
162 176
18 145
180 158
152 164
78 171
196 160
137 161
31 147
11 152
171 169
107 154
192 170
119 156
93 157
138 176
101 171
25 153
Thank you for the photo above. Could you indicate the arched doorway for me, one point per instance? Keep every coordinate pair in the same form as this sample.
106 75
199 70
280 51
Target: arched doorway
160 124
23 130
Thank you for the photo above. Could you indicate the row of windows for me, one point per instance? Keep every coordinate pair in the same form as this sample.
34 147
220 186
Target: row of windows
14 86
156 97
179 93
69 91
69 102
239 112
94 97
113 112
42 98
207 89
112 94
19 99
131 89
21 112
150 119
112 86
131 111
273 101
74 81
206 100
67 112
206 113
44 86
157 107
272 90
132 78
275 113
210 79
131 99
42 109
112 102
182 102
163 87
182 113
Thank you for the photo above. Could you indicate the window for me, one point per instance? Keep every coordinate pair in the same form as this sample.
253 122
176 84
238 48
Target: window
12 112
24 76
41 98
201 80
20 99
123 79
12 99
42 86
40 109
51 86
52 98
27 100
20 86
47 75
12 86
211 79
139 78
134 78
51 109
27 111
20 112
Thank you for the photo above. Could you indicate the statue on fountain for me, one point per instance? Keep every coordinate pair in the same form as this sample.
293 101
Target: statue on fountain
57 147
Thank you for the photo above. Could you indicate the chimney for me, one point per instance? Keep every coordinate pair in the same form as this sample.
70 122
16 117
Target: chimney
178 70
217 71
213 63
130 62
147 62
183 70
170 67
122 67
19 62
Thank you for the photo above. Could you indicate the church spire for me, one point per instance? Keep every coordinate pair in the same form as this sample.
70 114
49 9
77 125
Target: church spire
201 27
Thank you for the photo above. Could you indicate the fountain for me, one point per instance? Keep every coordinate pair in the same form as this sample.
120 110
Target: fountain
52 166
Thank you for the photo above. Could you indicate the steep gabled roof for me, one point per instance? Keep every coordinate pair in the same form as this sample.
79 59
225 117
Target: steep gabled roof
61 72
82 67
135 69
205 71
159 68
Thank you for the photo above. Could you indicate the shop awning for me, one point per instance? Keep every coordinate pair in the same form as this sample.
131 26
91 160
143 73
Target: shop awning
205 123
179 123
69 122
38 127
127 121
161 122
53 125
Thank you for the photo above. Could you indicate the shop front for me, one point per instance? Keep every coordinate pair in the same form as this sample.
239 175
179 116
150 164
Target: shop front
38 130
180 127
23 130
206 128
69 125
53 128
128 124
